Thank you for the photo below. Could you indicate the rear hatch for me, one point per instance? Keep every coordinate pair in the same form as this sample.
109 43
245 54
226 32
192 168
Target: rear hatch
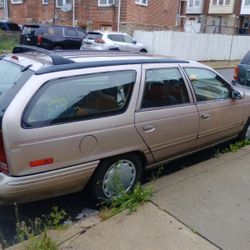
92 39
29 35
12 77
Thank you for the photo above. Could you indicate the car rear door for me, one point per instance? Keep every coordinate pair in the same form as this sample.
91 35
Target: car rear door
72 40
221 117
166 115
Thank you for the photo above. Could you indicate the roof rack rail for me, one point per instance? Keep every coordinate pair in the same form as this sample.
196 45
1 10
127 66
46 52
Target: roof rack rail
56 59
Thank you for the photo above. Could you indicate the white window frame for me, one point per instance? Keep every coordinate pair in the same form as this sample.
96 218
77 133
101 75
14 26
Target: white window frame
139 2
59 6
45 2
107 4
16 1
224 3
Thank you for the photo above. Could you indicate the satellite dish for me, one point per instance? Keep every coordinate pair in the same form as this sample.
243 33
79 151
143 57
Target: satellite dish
67 7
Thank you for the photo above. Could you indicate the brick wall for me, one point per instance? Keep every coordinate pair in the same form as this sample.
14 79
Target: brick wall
158 14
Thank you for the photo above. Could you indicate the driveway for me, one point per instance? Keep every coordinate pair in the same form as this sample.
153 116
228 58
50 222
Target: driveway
211 198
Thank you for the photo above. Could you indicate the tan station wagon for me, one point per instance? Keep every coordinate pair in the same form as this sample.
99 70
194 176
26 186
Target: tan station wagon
72 118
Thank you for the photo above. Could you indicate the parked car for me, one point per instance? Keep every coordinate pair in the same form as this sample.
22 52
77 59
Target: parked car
112 41
242 71
72 118
9 26
52 37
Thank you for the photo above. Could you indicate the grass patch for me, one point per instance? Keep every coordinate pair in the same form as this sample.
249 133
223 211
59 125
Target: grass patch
233 147
35 231
8 40
127 201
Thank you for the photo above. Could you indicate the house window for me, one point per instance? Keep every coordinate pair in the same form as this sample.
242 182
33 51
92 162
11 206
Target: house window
1 3
197 3
221 2
142 2
45 1
60 3
16 1
191 3
247 2
106 2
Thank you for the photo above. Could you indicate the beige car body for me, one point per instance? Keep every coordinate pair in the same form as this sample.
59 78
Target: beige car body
157 135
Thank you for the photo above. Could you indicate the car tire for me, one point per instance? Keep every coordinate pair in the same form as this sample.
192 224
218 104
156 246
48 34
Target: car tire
57 48
245 133
113 175
143 51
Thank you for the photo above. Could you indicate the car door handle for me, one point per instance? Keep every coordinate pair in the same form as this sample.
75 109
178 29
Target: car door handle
149 128
205 116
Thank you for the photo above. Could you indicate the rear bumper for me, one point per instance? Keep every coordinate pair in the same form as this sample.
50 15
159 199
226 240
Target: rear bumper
45 185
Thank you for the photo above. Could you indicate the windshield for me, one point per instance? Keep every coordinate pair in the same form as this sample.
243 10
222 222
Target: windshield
9 74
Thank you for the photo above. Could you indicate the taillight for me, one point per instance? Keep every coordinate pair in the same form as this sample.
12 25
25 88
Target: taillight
99 40
3 159
236 73
39 40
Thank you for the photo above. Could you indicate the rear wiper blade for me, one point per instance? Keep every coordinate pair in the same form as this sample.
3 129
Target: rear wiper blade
26 67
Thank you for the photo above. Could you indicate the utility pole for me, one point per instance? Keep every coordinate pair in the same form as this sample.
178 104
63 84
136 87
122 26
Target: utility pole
74 12
6 9
54 12
119 15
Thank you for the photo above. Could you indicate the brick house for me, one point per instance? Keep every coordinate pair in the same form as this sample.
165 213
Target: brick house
213 16
99 14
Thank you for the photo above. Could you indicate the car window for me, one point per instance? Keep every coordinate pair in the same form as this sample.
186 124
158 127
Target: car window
116 37
13 27
164 87
29 30
80 33
81 97
93 36
246 59
127 39
9 74
208 85
70 32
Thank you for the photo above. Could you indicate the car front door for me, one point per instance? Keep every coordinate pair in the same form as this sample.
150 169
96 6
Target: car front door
221 117
166 116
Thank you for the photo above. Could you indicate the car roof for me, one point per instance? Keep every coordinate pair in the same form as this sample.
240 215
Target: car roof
50 61
48 25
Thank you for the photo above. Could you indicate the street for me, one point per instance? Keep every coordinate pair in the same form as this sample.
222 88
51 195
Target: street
75 203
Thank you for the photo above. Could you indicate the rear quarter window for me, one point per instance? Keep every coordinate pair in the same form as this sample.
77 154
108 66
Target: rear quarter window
93 36
79 98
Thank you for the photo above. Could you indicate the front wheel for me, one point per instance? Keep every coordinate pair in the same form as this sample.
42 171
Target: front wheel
115 175
245 133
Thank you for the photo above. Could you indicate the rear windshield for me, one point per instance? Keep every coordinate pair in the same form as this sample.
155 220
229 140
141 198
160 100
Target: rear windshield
246 59
9 74
29 30
93 36
11 81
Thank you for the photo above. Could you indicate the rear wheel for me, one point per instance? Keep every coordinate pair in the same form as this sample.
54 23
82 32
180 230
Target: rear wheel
143 51
115 175
57 48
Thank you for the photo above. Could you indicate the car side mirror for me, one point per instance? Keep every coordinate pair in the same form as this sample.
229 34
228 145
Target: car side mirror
134 42
236 95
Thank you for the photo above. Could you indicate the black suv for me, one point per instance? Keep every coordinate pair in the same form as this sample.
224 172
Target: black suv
9 26
52 37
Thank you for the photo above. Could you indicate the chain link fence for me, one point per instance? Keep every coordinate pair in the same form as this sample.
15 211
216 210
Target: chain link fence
219 29
8 40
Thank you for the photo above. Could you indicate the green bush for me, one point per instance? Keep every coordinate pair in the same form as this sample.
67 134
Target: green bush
8 40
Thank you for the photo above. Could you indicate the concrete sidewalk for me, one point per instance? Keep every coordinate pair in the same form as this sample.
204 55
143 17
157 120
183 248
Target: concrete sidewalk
205 206
221 64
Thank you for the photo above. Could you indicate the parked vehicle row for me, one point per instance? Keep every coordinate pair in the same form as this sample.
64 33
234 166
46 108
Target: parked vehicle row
69 119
